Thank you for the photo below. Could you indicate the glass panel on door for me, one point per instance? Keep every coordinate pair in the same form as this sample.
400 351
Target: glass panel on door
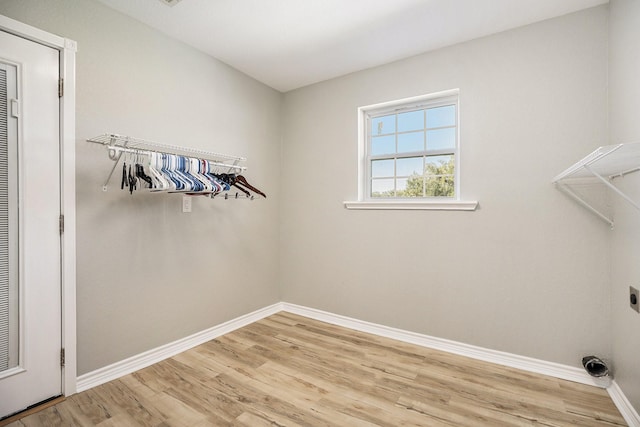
9 308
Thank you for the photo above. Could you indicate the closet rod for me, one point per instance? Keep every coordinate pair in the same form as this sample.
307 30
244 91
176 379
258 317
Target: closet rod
226 196
624 173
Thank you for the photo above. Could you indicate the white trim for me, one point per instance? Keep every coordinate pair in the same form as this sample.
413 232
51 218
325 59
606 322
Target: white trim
524 363
452 205
68 209
67 50
12 371
142 360
362 154
375 108
627 410
31 33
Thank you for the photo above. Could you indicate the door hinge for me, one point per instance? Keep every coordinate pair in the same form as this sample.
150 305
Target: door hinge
62 357
61 223
60 88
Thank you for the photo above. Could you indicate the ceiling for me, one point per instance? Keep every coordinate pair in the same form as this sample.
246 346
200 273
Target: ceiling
287 44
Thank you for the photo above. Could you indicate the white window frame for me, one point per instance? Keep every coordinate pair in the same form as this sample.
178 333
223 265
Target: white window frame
365 201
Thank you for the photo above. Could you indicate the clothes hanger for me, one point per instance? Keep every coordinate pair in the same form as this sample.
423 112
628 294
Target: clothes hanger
204 186
205 171
222 179
158 184
132 181
125 177
169 168
182 184
243 181
231 180
166 183
125 180
246 192
193 168
191 184
157 180
140 173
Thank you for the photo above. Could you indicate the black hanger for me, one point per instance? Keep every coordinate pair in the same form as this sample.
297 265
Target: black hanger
132 181
125 181
231 179
142 175
225 178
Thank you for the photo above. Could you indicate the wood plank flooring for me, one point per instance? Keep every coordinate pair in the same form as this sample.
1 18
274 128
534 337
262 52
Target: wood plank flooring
288 370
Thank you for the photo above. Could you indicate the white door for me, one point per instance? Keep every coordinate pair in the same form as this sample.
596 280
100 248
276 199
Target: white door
30 275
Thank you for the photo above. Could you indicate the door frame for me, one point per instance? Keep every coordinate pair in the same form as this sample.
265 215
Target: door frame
67 49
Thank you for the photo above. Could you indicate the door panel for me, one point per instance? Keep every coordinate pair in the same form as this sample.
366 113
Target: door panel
31 238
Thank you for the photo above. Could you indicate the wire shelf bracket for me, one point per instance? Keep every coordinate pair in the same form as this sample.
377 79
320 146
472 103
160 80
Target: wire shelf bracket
602 166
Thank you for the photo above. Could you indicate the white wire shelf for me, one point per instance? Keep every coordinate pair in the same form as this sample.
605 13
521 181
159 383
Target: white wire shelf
602 166
115 140
118 144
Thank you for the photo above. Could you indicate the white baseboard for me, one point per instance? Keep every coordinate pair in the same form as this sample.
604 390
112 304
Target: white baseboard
524 363
142 360
627 411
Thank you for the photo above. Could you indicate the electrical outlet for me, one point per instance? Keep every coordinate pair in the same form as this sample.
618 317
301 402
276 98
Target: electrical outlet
186 204
634 299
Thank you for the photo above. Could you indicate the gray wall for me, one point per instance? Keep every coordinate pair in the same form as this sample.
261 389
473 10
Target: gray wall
624 107
528 272
148 274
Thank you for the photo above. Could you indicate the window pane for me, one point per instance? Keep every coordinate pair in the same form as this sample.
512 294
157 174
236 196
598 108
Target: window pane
383 125
382 188
439 165
409 142
383 145
409 166
441 139
439 186
410 187
413 120
441 116
401 185
10 292
381 168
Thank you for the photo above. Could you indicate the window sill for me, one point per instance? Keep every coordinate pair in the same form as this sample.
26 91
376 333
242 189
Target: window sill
449 205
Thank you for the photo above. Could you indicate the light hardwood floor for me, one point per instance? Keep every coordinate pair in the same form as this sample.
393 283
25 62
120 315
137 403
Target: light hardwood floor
288 370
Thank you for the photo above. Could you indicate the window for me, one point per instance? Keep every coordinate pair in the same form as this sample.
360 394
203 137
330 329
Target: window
409 154
411 149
